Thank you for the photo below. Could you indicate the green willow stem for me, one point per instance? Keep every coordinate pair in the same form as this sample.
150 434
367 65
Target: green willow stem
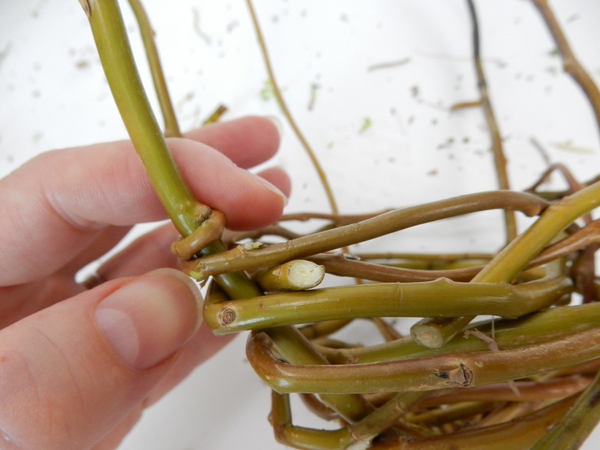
289 342
299 437
439 298
519 434
160 85
544 326
421 374
570 432
240 259
499 158
296 275
383 417
560 214
288 115
125 84
183 209
294 347
515 257
435 332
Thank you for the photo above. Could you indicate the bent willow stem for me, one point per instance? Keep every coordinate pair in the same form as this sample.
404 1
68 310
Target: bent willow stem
459 370
242 259
515 257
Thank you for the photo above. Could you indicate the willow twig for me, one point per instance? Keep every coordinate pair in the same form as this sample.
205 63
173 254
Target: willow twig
543 326
577 424
216 115
570 63
499 158
238 259
288 115
160 86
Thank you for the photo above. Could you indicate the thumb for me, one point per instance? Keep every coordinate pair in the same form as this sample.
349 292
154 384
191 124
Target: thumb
70 373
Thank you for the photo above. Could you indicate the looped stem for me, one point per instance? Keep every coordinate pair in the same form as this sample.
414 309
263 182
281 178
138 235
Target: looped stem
210 230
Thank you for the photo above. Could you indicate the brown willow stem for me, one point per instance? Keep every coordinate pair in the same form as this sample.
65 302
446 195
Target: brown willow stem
117 60
438 298
322 329
338 219
288 115
529 391
158 78
570 63
421 374
216 115
570 432
519 434
239 259
499 158
431 258
339 264
317 407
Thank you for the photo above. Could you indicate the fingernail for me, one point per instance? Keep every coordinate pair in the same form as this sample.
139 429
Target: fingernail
270 187
277 122
150 318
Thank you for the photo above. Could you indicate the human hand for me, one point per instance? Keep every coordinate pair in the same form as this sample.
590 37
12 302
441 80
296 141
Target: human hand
77 366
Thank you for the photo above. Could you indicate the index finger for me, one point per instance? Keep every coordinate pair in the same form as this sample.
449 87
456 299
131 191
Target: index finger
55 205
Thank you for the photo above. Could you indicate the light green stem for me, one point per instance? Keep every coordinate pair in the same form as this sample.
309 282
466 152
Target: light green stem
160 85
183 209
577 424
145 134
439 298
515 257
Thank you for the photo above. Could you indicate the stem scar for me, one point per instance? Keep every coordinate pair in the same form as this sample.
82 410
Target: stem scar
226 316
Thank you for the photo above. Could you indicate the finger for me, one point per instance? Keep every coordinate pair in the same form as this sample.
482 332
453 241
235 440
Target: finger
56 205
153 249
74 371
278 177
104 242
247 141
200 348
150 251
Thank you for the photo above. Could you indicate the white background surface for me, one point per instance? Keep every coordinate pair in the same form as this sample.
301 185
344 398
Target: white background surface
53 94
